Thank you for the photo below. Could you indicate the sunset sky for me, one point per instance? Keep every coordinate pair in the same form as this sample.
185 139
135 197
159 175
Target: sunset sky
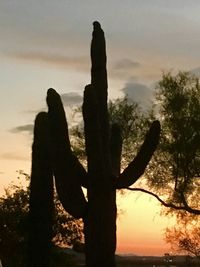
46 44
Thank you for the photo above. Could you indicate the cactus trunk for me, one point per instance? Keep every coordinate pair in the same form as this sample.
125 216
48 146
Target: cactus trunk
100 222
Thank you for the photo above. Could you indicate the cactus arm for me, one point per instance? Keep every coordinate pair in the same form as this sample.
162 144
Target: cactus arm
67 169
115 149
137 167
41 195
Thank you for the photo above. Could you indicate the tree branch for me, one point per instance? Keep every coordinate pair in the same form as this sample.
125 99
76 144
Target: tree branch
185 206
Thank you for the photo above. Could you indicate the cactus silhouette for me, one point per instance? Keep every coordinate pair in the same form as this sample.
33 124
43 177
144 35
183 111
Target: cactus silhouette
103 144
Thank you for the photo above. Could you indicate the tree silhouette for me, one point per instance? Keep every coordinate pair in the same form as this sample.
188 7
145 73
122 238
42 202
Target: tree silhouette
103 149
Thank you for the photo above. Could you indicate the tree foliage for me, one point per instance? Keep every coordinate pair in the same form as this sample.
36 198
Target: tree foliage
13 224
175 169
185 236
14 211
177 158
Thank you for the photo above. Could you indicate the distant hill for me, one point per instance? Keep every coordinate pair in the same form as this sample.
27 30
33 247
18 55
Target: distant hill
131 259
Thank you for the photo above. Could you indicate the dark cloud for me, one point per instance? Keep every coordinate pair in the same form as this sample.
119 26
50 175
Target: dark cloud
139 93
124 68
13 156
78 63
71 99
23 128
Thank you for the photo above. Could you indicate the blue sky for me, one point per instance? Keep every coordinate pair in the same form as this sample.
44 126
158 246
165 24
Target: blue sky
46 44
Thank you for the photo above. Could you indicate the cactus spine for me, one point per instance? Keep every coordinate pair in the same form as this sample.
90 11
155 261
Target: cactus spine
103 149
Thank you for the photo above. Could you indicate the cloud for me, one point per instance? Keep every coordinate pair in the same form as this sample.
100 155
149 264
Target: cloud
124 68
33 111
23 128
13 156
71 99
196 71
68 99
139 93
78 63
126 63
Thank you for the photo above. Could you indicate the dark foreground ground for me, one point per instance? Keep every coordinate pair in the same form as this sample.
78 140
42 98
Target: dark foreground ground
141 261
175 261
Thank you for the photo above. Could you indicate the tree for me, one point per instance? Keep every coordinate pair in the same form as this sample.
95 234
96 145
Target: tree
13 225
174 170
180 105
177 158
14 217
185 237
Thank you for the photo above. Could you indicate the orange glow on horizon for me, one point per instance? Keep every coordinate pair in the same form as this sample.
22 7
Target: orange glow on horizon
140 227
144 250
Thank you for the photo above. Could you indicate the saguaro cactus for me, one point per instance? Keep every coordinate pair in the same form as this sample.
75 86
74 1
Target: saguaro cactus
103 149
